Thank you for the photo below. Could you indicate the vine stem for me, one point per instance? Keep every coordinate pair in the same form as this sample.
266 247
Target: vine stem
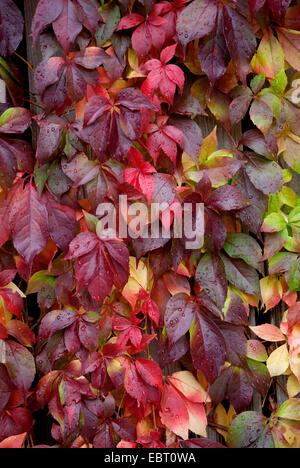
36 104
25 61
218 426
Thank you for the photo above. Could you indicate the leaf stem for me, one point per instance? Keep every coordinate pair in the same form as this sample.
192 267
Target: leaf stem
25 61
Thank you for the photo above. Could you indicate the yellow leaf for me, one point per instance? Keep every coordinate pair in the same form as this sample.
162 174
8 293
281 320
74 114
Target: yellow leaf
271 291
278 361
293 386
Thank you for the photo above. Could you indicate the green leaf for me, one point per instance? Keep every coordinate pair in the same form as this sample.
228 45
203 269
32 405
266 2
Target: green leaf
293 276
245 429
245 247
242 276
39 280
257 82
280 83
274 222
290 409
111 18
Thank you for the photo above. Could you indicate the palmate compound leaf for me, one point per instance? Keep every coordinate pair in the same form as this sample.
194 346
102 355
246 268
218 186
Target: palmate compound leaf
60 80
143 381
67 17
140 175
99 264
163 78
34 218
149 30
188 413
11 27
112 126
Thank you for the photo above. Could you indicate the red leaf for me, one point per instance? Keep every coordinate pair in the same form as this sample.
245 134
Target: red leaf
240 40
67 26
174 414
5 387
14 442
54 321
279 8
179 316
102 123
149 371
20 365
15 120
29 223
196 20
208 347
45 14
151 309
227 198
62 223
13 301
11 27
100 264
149 32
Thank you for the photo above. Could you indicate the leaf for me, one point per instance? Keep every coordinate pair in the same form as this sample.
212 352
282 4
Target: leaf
20 365
278 361
164 137
290 43
269 58
99 264
274 222
289 410
252 216
14 442
245 429
240 40
241 275
15 120
5 386
192 135
101 117
265 175
210 276
214 57
189 387
29 223
111 17
149 371
51 137
245 247
279 8
161 77
141 174
179 316
45 14
62 223
55 321
174 414
11 29
80 169
208 348
227 198
150 31
268 332
196 20
67 26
